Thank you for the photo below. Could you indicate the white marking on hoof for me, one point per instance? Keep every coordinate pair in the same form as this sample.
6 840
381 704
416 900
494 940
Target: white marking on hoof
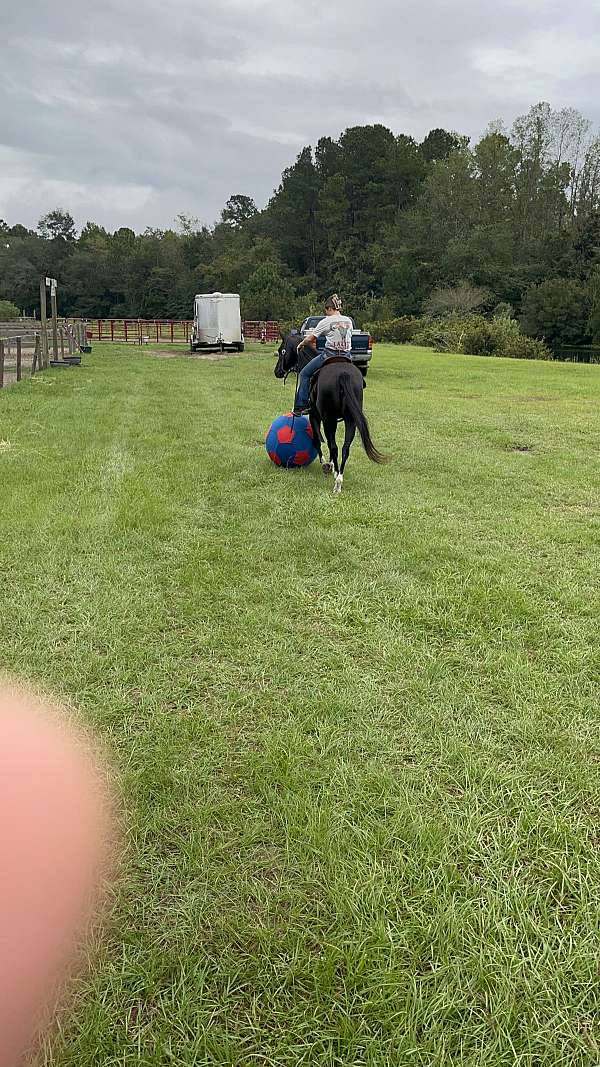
327 468
339 481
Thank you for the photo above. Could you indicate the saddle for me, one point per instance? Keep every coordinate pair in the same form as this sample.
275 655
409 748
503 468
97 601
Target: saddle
334 359
327 363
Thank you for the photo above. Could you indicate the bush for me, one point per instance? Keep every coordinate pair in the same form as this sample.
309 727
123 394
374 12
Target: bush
8 311
457 299
399 331
473 335
519 346
286 326
481 340
557 311
446 335
503 310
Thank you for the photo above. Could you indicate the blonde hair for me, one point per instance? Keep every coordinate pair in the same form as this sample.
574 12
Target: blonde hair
334 302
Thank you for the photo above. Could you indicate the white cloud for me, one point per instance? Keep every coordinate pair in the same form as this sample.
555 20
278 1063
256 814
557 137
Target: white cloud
550 53
189 102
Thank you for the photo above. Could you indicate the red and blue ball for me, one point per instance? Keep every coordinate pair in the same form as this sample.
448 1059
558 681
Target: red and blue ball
290 442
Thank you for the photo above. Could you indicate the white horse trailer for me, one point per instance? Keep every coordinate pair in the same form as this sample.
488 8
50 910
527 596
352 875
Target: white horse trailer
217 322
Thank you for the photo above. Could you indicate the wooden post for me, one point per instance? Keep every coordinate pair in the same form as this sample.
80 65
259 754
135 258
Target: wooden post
43 322
18 359
62 343
1 363
36 355
54 321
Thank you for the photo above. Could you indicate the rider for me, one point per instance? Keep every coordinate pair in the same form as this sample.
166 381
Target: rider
338 342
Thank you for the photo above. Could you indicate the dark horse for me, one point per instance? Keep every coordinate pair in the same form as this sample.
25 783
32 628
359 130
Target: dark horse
335 396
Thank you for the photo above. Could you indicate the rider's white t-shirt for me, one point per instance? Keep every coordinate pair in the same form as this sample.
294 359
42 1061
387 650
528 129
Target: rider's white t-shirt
338 333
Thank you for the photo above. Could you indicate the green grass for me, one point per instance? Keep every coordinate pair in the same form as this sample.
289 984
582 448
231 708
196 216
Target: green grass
358 736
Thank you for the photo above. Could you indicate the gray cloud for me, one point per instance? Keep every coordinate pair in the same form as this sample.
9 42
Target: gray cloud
129 114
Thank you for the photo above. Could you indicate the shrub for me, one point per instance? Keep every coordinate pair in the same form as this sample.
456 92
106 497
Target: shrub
400 330
446 334
504 310
519 346
472 334
481 340
457 299
286 326
8 311
557 311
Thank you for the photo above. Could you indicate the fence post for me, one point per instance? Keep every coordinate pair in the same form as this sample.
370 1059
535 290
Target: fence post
36 355
125 326
62 343
18 359
44 323
157 332
54 320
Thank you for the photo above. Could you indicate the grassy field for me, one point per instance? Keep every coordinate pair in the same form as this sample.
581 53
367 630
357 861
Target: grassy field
358 737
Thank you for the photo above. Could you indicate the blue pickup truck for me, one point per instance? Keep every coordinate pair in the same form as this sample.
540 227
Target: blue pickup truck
362 343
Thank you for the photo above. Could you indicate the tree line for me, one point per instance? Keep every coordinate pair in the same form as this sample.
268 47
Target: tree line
508 225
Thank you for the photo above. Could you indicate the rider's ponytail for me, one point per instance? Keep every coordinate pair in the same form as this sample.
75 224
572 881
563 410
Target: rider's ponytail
334 302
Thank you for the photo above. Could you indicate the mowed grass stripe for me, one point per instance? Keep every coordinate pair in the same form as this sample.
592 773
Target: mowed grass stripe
358 737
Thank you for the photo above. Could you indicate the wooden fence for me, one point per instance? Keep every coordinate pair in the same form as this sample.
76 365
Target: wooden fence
24 350
140 331
262 331
20 356
27 346
169 331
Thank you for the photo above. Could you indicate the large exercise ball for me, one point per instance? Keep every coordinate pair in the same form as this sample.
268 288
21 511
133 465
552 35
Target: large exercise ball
290 441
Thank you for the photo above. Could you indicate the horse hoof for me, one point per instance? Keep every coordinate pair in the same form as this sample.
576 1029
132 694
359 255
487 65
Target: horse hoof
327 468
337 485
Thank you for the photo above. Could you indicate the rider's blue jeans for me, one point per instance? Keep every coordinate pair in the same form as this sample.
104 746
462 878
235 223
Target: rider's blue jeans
302 397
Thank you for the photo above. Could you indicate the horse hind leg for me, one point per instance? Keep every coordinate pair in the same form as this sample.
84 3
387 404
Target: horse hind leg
315 424
348 439
330 426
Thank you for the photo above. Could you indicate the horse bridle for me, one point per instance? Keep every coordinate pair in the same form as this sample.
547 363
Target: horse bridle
291 369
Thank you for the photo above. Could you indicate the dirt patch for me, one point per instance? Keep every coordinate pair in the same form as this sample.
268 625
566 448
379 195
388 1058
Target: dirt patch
166 353
584 508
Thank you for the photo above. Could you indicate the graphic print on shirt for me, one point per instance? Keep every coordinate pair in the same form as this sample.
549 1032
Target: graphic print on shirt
338 333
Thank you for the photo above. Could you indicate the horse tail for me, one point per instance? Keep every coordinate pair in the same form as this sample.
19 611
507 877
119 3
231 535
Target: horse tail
351 404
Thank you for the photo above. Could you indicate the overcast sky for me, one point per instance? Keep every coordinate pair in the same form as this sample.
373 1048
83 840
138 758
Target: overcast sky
128 112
